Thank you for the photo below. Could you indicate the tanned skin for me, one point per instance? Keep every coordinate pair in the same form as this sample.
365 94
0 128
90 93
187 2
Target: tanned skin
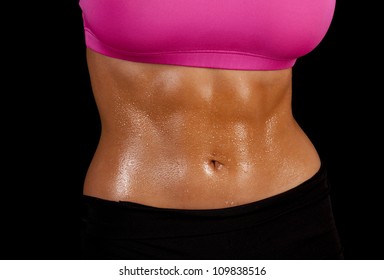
194 138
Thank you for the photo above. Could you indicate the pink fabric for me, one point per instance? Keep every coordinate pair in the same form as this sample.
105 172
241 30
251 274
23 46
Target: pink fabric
226 34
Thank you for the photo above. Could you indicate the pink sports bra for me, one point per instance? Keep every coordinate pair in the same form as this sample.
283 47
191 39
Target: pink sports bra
226 34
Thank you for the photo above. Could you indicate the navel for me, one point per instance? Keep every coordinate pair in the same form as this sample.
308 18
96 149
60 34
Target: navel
216 165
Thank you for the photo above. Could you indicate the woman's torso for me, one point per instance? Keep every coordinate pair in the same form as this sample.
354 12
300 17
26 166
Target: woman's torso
194 138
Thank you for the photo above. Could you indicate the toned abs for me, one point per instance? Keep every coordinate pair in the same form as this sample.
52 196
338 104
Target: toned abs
194 138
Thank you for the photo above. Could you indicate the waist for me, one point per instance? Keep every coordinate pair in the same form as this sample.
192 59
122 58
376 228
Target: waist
200 164
112 213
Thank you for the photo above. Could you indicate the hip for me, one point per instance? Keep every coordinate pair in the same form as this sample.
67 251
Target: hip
296 224
198 176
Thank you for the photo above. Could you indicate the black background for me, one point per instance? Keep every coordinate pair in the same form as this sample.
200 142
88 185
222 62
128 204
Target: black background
51 127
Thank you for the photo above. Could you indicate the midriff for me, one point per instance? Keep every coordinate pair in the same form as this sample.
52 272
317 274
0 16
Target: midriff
194 138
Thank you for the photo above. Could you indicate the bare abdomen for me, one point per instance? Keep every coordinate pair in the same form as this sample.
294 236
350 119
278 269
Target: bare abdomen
180 137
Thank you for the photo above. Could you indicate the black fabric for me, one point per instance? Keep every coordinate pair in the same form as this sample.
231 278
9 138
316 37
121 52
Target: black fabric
296 224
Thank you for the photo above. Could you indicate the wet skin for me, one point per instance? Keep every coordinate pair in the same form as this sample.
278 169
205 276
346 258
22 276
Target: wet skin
194 138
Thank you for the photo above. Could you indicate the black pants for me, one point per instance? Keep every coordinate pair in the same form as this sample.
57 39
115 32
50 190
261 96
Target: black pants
296 224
